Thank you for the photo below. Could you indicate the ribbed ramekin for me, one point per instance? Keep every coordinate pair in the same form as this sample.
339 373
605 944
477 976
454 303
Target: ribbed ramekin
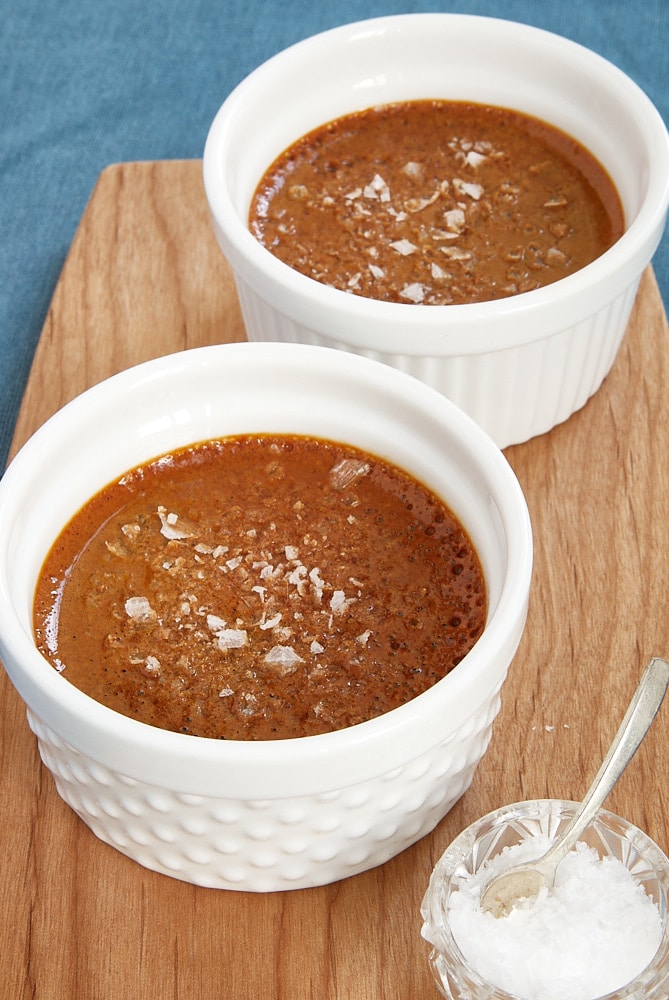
518 365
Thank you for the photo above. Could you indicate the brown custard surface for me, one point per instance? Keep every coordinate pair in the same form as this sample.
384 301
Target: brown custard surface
436 202
260 588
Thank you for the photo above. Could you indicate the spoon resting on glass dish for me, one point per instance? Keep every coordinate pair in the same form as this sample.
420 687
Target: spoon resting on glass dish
524 882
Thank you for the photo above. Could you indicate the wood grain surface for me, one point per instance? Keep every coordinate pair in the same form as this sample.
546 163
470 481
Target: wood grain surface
143 278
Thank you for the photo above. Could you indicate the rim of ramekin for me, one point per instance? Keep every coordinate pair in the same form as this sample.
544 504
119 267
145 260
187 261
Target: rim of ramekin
95 728
461 329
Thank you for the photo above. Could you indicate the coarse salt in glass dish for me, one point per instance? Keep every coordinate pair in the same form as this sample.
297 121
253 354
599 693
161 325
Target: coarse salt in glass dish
523 830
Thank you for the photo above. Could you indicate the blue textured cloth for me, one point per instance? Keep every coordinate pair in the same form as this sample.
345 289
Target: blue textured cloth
85 83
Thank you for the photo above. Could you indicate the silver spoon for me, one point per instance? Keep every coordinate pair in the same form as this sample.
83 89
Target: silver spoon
524 881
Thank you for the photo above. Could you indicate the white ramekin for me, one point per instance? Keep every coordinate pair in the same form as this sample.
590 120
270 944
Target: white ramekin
518 365
274 814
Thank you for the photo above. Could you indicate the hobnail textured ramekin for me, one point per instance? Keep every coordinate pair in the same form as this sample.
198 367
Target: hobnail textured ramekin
518 365
275 814
608 834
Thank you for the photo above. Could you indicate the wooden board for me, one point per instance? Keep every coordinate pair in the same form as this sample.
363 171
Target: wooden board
143 278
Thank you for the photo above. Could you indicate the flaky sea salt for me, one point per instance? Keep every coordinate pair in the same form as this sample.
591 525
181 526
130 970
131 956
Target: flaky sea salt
139 609
284 658
231 638
593 933
414 292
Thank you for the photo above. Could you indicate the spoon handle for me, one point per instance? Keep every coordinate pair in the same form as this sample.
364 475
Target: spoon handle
642 710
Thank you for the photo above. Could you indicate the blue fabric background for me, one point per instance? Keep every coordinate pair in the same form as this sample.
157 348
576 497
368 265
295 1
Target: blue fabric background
85 83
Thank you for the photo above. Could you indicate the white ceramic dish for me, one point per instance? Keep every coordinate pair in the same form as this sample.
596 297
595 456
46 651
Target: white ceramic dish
610 835
276 814
518 365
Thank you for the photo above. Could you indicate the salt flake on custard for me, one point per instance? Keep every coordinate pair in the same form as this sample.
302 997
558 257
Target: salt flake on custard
272 622
404 247
231 638
466 187
414 292
284 658
139 609
339 602
169 527
377 189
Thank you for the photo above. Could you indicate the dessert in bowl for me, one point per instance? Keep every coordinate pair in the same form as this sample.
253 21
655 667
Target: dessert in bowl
273 813
520 363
